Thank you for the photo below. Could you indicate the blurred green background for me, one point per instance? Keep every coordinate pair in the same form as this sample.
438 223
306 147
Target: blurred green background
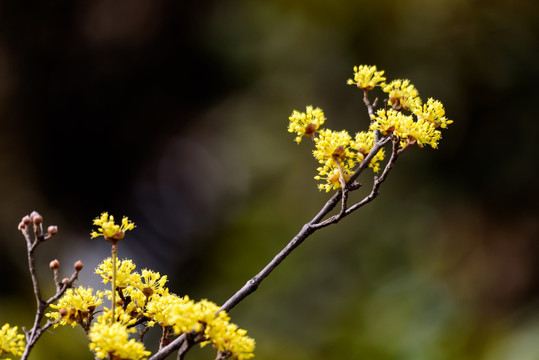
175 114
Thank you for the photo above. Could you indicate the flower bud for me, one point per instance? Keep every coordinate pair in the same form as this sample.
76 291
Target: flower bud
63 312
36 217
65 281
21 226
53 229
55 264
78 265
26 220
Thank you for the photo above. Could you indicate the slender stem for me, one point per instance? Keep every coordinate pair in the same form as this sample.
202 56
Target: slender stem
307 229
33 335
374 191
344 189
114 259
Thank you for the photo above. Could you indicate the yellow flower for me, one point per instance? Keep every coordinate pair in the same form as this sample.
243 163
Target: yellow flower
152 282
386 121
306 123
330 173
127 317
221 333
363 144
109 229
76 306
228 338
113 339
421 131
333 146
434 112
11 341
172 310
366 77
185 315
124 272
403 95
392 122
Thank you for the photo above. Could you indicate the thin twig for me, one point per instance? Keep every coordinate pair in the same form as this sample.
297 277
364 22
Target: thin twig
41 305
307 229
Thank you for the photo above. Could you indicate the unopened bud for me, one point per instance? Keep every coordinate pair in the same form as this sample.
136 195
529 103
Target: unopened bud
26 220
21 226
78 265
65 281
55 264
63 312
36 217
53 229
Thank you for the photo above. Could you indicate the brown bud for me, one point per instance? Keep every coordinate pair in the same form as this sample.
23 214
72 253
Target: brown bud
36 217
65 281
53 229
21 226
147 291
310 130
339 153
26 220
63 312
55 264
78 265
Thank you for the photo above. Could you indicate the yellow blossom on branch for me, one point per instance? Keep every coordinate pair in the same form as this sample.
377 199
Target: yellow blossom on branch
11 341
366 77
403 95
392 122
306 123
109 229
386 121
421 131
433 111
332 176
124 272
363 143
172 310
113 340
333 146
76 306
127 317
152 282
228 338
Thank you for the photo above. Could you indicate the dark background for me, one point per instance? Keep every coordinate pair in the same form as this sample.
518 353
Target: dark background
175 114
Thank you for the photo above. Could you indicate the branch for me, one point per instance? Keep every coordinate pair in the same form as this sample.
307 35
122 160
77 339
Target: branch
307 229
395 153
41 305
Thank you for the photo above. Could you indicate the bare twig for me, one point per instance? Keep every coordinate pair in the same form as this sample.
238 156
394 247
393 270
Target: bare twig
307 229
191 339
37 330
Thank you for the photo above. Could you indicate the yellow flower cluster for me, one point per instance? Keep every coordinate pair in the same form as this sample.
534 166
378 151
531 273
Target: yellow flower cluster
332 150
185 315
363 144
144 298
402 95
366 77
392 122
433 111
224 335
339 154
113 339
306 123
76 306
11 342
109 229
124 272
